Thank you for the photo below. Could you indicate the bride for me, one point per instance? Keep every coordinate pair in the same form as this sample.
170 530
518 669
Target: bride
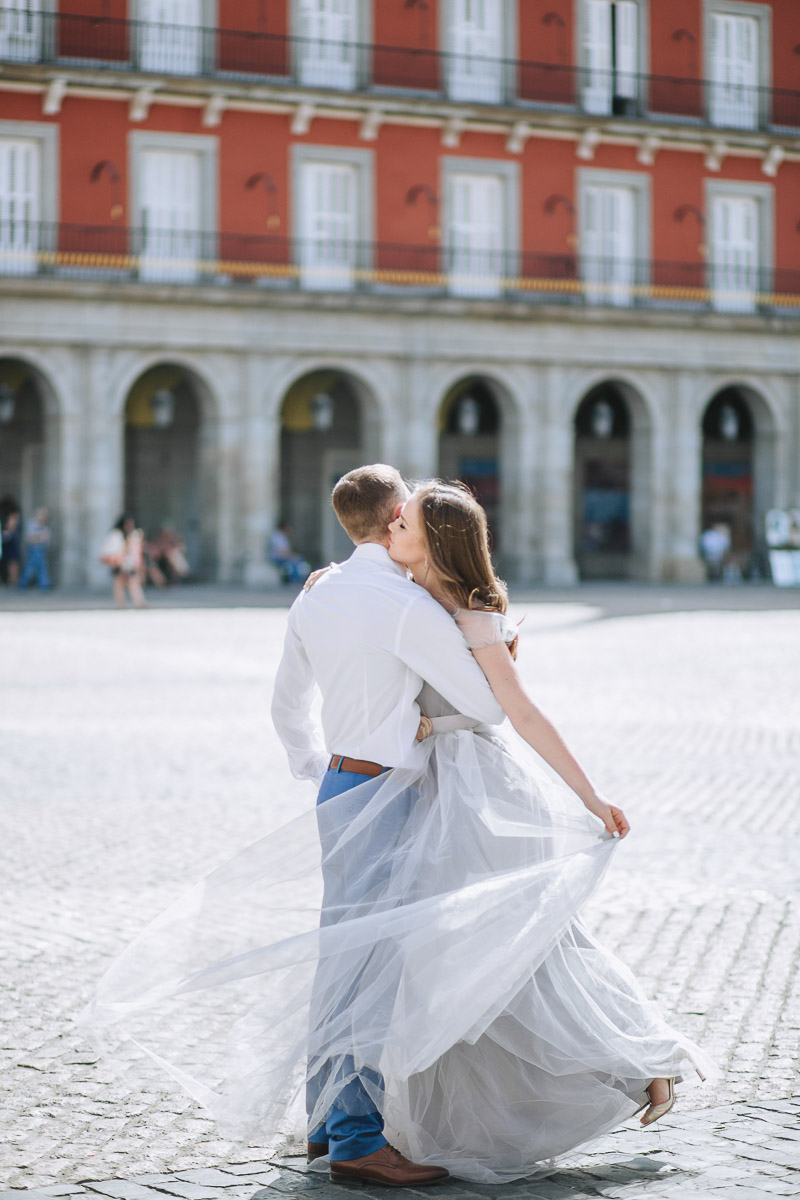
461 991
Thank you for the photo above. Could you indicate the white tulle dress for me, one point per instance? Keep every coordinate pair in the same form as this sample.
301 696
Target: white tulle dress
449 973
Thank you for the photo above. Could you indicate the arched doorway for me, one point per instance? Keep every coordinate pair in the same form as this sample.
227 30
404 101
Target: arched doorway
28 448
470 445
328 427
611 503
737 471
169 478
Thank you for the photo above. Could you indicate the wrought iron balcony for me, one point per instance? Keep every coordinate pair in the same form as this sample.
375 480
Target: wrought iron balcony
104 43
116 254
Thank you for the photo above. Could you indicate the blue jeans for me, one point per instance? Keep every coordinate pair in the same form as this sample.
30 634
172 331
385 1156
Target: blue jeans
353 1127
36 567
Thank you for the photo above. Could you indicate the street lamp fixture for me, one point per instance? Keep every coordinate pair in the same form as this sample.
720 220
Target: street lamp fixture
728 423
162 406
322 412
468 417
602 419
6 404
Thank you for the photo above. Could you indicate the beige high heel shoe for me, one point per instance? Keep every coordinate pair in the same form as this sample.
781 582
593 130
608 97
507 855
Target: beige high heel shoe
656 1111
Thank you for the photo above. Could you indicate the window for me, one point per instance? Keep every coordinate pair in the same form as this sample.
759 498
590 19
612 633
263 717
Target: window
614 239
20 30
610 56
28 194
170 36
738 37
175 183
328 36
482 199
474 41
332 215
740 244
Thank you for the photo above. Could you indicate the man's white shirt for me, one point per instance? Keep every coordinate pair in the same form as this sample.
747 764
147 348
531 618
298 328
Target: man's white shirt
368 637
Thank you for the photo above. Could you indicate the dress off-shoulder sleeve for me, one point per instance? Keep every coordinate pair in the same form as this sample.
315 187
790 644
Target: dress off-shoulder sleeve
482 628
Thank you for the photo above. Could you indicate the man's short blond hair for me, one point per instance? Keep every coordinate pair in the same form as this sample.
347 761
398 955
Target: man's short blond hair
365 501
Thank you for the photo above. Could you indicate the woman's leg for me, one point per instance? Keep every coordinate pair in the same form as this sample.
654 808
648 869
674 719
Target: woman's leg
135 592
118 586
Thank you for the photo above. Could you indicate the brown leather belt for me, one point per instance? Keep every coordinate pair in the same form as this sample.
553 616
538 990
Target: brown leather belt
358 766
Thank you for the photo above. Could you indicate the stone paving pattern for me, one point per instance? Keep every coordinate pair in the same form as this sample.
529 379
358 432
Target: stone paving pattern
136 753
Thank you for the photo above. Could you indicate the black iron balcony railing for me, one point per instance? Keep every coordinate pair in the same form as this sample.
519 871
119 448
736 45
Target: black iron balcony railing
106 43
169 257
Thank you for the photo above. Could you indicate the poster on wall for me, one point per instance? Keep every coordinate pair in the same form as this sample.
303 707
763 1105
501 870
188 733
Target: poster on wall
782 528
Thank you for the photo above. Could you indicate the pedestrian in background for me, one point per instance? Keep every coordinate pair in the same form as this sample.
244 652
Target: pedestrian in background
715 545
9 525
122 552
37 539
292 567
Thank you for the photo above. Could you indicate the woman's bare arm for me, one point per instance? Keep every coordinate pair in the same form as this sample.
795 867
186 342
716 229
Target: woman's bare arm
531 724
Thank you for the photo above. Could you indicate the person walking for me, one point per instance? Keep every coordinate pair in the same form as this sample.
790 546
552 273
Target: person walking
37 540
9 531
122 553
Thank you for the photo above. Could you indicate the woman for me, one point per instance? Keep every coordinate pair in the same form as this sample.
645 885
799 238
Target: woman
122 552
460 990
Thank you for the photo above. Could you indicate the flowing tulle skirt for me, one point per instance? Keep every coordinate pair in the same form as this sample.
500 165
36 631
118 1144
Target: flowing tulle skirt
448 981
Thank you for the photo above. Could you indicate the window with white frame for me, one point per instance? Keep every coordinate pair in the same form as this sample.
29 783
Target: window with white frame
481 210
170 36
20 30
20 205
174 181
474 39
28 194
328 35
738 56
332 215
610 34
614 235
740 244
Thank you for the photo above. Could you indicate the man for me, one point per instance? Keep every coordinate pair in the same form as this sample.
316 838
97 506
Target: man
292 567
367 637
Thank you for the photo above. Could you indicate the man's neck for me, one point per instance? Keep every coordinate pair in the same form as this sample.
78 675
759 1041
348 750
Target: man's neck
375 542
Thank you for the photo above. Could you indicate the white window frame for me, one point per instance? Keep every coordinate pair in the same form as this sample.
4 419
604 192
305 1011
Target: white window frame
49 173
764 196
47 43
205 145
208 20
641 185
364 163
763 14
510 176
642 50
363 38
508 49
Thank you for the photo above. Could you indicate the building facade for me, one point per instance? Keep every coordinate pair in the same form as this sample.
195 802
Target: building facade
550 247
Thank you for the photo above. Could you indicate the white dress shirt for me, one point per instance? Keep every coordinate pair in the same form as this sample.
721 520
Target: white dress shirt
368 637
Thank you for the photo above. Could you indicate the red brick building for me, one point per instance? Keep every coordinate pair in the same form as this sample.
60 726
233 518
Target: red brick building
552 246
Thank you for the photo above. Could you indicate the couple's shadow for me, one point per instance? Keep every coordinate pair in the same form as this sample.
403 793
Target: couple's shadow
569 1183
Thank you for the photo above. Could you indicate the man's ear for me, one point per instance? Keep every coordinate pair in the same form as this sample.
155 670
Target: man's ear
397 510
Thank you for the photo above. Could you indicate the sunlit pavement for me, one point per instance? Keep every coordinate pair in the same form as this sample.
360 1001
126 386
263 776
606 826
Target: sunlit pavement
136 753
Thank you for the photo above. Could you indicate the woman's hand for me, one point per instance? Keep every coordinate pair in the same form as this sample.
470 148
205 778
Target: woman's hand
314 576
425 729
612 817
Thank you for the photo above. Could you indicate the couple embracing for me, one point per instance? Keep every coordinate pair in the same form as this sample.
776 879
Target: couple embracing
438 1006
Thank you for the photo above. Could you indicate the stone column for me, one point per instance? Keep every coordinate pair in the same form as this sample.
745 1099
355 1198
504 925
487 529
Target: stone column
420 443
556 469
681 562
520 466
104 478
72 500
260 474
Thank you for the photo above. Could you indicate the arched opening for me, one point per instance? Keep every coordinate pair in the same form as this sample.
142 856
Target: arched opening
738 472
169 472
470 445
28 456
611 480
328 427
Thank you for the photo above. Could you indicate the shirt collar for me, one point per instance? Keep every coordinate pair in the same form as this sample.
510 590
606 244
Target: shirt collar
373 552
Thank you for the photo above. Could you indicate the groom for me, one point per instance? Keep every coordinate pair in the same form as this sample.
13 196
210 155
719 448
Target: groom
367 637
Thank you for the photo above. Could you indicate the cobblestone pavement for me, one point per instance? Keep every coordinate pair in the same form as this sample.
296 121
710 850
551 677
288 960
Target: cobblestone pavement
136 753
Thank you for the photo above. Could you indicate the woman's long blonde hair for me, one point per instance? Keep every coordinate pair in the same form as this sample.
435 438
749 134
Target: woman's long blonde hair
457 539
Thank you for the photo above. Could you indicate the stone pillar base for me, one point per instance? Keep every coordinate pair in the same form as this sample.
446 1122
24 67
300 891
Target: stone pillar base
683 570
560 573
261 575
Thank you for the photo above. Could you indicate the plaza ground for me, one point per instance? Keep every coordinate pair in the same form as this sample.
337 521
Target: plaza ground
137 753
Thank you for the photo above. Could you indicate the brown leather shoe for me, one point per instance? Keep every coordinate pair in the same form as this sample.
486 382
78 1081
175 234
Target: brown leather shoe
386 1166
316 1150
